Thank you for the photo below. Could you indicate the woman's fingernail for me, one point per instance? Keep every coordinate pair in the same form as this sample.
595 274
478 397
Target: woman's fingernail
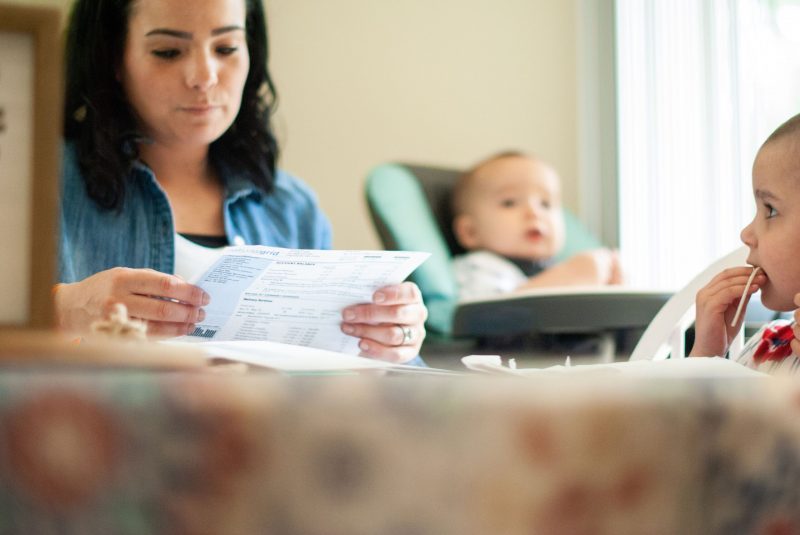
190 328
349 315
201 315
206 298
379 297
363 346
348 329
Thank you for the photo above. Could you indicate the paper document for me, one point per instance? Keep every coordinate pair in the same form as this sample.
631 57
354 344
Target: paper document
294 296
693 367
291 359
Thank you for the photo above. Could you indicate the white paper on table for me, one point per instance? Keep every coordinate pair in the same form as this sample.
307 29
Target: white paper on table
297 359
692 367
686 368
288 358
294 296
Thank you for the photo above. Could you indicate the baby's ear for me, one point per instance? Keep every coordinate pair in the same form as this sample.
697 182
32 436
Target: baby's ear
464 231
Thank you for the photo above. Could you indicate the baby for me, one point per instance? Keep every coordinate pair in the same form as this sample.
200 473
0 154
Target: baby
773 238
507 214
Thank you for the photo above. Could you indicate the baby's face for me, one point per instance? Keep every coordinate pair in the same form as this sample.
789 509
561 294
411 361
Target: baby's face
514 209
774 234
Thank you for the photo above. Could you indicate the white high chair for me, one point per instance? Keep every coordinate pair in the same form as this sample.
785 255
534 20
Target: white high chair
666 334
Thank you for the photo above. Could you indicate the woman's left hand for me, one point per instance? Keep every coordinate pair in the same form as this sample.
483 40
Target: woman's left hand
392 327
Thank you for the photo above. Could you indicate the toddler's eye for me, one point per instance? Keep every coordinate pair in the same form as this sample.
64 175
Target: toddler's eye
508 203
166 53
546 205
771 211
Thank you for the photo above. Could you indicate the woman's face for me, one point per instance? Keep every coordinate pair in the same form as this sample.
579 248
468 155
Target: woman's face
184 67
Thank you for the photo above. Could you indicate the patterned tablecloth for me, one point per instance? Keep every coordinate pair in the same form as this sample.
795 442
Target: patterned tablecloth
103 452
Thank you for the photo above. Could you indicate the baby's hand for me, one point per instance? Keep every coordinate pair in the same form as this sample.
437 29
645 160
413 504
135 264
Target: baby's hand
588 268
606 265
716 307
617 275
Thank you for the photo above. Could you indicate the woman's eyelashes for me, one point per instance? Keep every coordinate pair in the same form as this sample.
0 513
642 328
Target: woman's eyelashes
227 50
166 53
174 53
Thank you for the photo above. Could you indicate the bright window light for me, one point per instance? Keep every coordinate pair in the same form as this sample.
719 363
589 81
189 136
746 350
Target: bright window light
700 86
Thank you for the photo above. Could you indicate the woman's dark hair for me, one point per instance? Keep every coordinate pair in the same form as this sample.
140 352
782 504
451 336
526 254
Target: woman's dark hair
100 121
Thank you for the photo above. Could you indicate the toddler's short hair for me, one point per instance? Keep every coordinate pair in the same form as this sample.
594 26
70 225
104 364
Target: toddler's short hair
790 128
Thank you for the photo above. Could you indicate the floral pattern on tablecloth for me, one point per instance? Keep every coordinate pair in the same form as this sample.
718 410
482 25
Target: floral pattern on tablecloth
112 453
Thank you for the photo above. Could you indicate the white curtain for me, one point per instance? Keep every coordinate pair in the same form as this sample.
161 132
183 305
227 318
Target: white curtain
700 84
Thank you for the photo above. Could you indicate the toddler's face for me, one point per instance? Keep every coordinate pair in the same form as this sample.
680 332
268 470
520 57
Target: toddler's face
774 234
514 209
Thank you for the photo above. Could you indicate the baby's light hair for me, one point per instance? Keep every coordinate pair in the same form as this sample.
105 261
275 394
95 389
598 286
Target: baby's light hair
463 185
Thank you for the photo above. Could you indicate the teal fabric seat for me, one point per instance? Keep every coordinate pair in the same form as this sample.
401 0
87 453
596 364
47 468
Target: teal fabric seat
410 208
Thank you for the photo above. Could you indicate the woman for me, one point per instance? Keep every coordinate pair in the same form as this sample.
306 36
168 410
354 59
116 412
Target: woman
170 153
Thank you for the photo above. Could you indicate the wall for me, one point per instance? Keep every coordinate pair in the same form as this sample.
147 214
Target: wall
444 82
63 4
58 3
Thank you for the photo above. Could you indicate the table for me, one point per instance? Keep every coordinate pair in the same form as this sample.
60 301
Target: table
96 451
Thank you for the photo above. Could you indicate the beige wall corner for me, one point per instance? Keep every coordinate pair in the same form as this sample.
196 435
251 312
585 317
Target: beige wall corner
362 82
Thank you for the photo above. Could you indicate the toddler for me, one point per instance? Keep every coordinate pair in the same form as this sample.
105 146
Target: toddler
507 214
773 238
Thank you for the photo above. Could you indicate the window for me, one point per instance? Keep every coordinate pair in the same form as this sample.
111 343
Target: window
699 86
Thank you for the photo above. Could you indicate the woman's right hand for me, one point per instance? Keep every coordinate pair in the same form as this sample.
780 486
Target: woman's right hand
170 305
716 305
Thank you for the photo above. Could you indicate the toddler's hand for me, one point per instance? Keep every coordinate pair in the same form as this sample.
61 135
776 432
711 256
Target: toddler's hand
796 328
716 306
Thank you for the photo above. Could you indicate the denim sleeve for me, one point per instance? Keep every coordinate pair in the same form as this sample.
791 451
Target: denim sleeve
417 361
324 232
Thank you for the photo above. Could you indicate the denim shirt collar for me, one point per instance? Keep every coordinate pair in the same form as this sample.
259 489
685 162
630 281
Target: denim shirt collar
91 236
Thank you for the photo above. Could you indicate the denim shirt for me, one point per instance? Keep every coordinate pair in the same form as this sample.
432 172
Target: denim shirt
141 234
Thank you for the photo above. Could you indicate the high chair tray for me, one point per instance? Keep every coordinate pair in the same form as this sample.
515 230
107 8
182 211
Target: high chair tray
554 310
